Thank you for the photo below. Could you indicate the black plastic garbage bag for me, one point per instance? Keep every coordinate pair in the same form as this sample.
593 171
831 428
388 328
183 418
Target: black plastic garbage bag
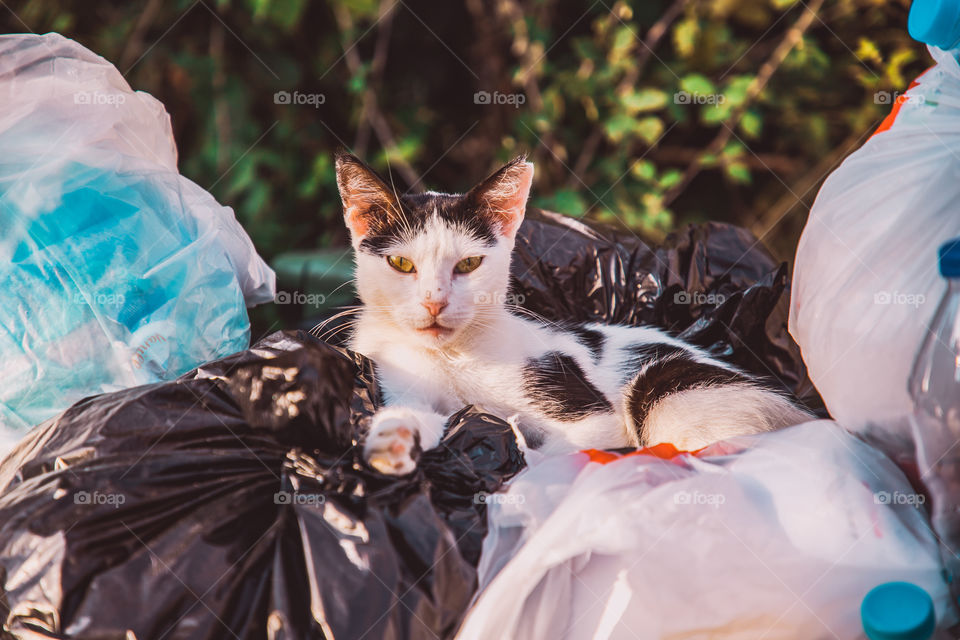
233 503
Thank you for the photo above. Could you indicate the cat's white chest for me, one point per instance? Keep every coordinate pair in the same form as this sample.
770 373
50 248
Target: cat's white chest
450 383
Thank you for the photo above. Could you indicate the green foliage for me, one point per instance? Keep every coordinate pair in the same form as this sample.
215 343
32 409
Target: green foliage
594 93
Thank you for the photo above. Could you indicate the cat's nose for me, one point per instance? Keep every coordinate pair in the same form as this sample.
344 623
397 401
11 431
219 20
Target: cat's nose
435 307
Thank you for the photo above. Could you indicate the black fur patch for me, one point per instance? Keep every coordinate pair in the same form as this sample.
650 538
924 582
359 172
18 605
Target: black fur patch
559 388
534 436
639 354
670 375
416 209
590 338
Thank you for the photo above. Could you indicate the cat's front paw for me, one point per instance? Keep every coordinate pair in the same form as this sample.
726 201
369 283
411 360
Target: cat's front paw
391 440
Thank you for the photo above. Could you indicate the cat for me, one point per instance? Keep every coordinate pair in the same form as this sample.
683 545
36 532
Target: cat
432 273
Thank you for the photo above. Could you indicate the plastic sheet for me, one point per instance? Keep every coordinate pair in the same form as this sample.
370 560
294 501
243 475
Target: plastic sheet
865 278
115 270
777 536
233 503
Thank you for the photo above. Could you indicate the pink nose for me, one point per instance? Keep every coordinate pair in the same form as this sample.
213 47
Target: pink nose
435 307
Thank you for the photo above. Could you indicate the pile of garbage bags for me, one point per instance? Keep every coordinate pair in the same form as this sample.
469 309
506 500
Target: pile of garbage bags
233 501
779 536
235 497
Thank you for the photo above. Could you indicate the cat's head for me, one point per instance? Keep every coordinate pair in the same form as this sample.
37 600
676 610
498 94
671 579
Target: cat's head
434 264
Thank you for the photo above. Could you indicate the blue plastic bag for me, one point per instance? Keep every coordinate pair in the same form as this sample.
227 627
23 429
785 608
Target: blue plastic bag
114 269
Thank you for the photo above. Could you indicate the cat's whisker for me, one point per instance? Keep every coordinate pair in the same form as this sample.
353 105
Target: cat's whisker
337 328
332 333
352 281
349 310
533 314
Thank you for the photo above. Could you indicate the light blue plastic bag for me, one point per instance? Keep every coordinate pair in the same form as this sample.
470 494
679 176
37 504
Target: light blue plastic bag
114 269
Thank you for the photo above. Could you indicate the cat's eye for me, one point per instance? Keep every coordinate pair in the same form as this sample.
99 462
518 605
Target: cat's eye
468 264
401 264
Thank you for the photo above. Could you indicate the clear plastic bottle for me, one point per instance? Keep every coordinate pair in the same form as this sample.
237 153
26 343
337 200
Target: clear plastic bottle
935 389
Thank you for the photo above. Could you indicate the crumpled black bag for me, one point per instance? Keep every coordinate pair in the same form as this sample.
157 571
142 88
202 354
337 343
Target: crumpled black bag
234 503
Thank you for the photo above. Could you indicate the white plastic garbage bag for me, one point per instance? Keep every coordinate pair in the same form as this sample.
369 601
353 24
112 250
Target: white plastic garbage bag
114 269
773 536
865 281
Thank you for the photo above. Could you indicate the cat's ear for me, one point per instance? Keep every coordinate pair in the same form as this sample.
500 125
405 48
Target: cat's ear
366 198
502 198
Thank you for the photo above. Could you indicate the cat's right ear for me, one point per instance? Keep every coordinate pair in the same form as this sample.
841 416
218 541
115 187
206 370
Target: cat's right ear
501 199
367 200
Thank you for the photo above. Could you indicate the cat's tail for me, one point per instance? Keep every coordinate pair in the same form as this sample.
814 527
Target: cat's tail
691 403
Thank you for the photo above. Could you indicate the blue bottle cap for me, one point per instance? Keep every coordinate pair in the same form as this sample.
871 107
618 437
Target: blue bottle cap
898 611
950 259
935 22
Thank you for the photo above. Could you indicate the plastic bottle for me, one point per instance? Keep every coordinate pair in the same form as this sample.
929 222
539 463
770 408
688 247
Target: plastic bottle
935 22
898 611
935 390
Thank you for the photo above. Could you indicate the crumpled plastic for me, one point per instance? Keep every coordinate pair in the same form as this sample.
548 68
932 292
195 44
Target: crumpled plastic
778 535
866 283
115 269
233 503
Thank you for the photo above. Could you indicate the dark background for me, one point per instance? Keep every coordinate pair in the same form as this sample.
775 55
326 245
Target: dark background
787 89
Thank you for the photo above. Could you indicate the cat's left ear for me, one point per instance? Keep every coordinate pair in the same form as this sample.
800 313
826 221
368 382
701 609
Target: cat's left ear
502 198
368 203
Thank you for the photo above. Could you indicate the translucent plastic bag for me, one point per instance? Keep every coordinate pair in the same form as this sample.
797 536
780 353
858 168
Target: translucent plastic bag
865 280
775 536
114 269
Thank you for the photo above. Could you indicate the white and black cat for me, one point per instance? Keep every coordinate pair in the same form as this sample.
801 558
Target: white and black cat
432 271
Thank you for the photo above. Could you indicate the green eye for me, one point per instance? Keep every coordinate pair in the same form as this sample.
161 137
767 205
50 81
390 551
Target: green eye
468 264
401 264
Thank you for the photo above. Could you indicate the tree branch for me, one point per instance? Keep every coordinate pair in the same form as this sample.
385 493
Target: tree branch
654 35
135 40
384 29
792 38
371 112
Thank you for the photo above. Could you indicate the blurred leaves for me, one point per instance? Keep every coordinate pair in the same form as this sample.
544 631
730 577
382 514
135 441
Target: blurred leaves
616 102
